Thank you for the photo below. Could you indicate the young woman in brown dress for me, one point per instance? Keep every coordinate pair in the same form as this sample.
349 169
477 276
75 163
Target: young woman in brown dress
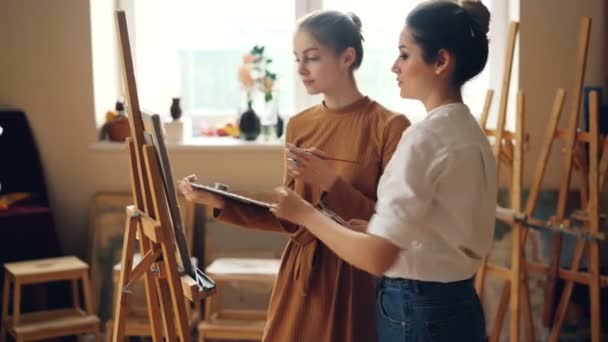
348 138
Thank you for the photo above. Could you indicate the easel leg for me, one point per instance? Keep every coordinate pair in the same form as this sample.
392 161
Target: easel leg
560 313
526 306
595 184
177 295
527 309
127 264
152 299
168 322
594 291
552 272
514 303
501 312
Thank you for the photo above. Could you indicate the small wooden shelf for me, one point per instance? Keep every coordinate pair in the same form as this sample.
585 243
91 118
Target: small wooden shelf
46 270
45 324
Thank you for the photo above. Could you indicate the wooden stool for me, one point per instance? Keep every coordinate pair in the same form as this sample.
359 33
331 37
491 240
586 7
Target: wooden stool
49 323
224 324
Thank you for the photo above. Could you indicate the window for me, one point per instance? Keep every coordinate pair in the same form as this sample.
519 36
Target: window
190 49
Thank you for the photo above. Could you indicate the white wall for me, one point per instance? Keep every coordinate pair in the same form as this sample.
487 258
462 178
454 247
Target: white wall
549 39
46 70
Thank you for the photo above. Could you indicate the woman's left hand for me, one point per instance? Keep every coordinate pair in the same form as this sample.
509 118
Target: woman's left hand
309 166
290 206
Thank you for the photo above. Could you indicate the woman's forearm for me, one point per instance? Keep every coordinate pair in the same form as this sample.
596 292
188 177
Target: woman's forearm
367 252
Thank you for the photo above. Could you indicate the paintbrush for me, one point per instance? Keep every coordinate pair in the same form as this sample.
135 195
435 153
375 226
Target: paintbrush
324 157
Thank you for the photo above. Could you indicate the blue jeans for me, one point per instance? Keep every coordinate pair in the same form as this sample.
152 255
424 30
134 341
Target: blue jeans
416 311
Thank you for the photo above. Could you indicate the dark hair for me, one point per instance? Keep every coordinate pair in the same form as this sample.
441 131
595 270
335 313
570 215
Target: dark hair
336 30
459 29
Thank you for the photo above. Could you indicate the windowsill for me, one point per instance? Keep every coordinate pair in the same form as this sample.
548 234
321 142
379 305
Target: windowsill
203 144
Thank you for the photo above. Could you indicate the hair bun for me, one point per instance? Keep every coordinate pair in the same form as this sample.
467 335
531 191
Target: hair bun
355 19
479 13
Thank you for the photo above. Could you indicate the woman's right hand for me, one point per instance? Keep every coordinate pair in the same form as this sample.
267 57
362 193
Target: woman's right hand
310 166
199 195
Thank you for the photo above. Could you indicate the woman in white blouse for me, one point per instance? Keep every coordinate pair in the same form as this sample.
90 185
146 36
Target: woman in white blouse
437 197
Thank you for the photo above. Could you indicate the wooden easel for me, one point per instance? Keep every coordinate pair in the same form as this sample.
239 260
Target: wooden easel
569 154
150 219
591 221
508 150
587 233
516 283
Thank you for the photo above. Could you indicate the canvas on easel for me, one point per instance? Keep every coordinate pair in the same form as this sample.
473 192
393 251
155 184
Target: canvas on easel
154 220
153 124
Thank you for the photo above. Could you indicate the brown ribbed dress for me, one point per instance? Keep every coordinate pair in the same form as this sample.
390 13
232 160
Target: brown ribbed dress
317 296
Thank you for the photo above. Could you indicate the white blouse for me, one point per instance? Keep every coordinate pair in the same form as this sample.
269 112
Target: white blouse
437 198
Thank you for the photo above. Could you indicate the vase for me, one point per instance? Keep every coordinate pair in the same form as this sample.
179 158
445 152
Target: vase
176 109
249 124
280 124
